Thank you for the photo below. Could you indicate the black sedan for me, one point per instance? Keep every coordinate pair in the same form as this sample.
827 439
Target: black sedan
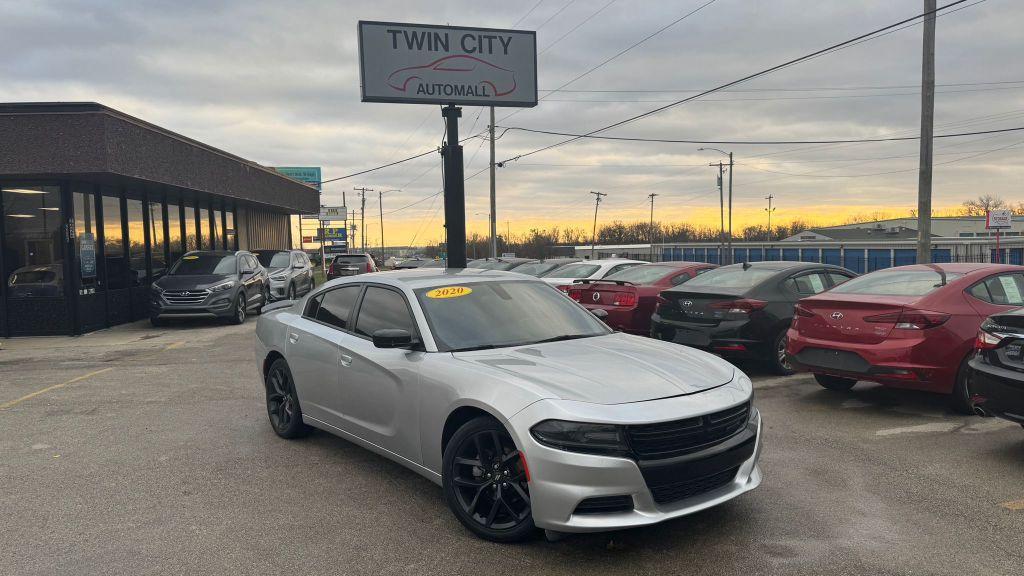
996 382
742 310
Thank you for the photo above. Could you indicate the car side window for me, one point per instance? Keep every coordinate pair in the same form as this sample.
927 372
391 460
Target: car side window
679 279
837 279
313 306
244 265
615 269
336 307
383 309
809 284
1002 290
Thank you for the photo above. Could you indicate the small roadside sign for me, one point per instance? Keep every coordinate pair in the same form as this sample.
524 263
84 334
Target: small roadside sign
998 219
332 213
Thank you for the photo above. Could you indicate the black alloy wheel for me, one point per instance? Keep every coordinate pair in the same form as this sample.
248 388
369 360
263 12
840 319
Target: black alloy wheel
960 398
264 299
283 402
239 316
485 482
780 361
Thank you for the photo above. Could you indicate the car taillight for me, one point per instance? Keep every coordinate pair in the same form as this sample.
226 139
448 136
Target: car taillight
575 293
369 267
741 306
625 299
987 341
564 288
801 311
910 319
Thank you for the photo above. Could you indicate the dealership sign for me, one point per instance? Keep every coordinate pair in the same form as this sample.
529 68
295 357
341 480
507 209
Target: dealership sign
307 174
425 64
332 213
999 219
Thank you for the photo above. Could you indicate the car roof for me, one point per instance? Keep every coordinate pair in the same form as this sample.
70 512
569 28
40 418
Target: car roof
959 267
780 265
217 252
415 278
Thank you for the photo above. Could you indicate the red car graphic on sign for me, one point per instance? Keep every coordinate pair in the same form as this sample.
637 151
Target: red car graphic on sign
465 70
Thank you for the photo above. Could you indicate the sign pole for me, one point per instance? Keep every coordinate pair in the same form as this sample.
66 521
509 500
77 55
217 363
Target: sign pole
999 254
454 190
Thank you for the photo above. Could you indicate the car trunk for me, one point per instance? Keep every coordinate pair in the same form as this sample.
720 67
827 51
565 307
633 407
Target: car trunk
696 306
845 318
610 295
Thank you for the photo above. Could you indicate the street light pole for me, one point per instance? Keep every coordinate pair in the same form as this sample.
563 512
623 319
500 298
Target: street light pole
593 237
721 201
650 228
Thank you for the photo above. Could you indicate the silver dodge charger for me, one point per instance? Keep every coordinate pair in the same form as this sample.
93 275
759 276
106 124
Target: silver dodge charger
525 408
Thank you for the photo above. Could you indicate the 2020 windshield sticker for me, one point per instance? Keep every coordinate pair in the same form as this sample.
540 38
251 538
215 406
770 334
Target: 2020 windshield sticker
190 257
450 292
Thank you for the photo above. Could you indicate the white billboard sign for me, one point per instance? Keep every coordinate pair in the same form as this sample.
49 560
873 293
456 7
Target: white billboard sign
426 64
331 213
999 219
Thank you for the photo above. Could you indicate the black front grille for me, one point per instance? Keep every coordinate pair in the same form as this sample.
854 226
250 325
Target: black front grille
605 505
185 296
668 439
689 488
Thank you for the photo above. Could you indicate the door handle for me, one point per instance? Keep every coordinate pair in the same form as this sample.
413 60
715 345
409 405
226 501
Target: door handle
346 360
293 338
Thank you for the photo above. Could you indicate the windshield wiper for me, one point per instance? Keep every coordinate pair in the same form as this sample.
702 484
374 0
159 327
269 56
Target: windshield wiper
481 347
561 338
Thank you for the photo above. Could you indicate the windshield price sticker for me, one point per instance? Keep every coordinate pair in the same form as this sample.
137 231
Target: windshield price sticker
1013 295
450 292
190 257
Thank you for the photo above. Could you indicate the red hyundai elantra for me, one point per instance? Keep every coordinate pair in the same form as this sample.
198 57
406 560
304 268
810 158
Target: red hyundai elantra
907 327
631 295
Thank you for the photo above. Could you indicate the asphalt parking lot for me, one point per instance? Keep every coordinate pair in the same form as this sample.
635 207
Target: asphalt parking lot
147 451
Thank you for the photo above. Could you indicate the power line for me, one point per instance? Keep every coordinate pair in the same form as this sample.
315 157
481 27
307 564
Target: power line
528 12
780 98
576 27
808 89
829 49
751 142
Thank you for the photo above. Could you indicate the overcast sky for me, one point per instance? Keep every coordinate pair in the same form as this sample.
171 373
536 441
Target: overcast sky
278 83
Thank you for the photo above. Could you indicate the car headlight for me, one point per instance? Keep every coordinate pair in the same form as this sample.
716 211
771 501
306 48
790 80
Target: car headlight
223 286
604 439
156 289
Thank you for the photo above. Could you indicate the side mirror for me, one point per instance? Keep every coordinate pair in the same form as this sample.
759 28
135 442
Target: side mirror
392 338
600 313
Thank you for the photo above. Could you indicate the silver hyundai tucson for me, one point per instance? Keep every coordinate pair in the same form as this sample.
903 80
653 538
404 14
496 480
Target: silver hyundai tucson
523 406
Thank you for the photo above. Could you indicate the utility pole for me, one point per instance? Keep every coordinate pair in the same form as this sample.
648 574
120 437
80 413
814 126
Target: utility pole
362 215
769 210
924 178
494 215
593 237
729 258
721 204
380 204
650 228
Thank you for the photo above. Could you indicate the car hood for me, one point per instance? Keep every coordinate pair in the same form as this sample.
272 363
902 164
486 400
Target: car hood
613 369
273 271
188 282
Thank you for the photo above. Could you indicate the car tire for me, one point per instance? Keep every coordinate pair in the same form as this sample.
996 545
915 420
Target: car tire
485 482
283 402
291 292
239 309
835 383
960 399
157 322
264 300
778 361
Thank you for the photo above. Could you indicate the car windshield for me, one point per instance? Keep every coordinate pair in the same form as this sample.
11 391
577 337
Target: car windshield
578 270
536 268
204 264
504 266
274 259
33 277
730 277
499 314
896 283
643 274
355 259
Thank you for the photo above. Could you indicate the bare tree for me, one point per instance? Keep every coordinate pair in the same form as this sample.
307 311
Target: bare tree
982 205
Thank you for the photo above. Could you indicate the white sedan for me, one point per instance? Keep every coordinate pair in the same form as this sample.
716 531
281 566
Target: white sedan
587 270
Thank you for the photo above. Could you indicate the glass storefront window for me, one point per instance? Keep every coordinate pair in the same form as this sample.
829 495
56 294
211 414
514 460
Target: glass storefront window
156 238
85 238
203 214
216 232
136 243
190 229
173 232
33 258
113 243
229 228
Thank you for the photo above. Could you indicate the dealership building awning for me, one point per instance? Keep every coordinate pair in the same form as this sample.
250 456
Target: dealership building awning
96 204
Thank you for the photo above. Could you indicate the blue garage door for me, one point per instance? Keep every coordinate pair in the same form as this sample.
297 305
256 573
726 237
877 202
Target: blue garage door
831 256
905 256
739 255
688 255
666 254
854 260
810 255
878 259
772 254
712 256
677 253
791 254
699 256
756 255
942 255
1016 256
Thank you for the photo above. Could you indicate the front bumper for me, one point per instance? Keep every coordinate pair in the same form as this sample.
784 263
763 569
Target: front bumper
216 305
1000 392
561 480
730 338
278 289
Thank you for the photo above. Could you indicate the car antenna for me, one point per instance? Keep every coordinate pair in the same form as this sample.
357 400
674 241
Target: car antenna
942 275
746 265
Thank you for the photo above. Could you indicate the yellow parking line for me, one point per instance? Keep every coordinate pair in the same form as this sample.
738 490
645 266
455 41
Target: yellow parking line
1013 505
7 405
174 345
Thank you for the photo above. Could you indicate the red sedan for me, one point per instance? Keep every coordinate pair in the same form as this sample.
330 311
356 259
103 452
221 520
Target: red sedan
908 327
631 295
